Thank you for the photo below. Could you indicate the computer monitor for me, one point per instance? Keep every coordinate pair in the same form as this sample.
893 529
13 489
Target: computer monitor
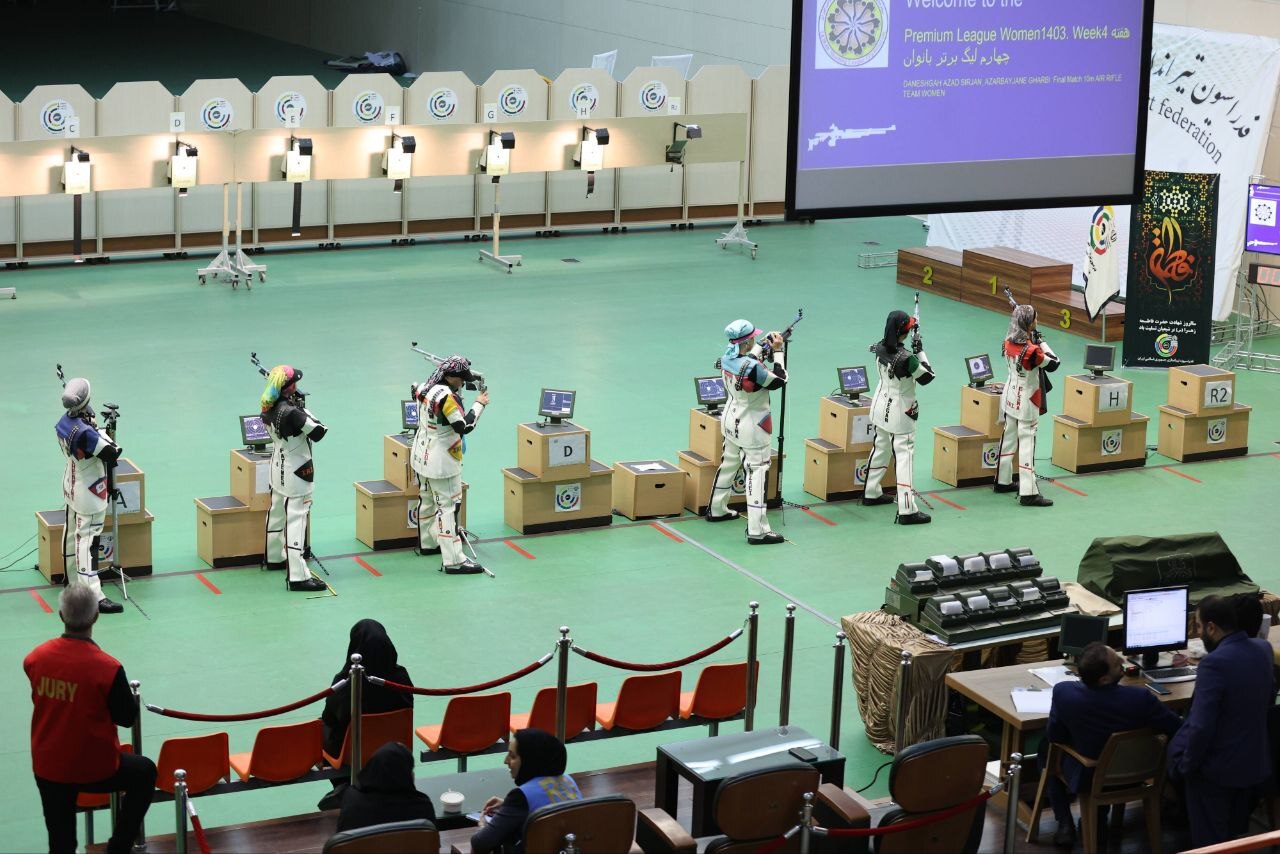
853 381
556 404
1080 630
1154 620
979 368
711 392
253 432
1099 358
409 415
1262 227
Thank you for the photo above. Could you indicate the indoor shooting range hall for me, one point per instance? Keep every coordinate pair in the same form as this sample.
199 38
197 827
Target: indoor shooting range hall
683 426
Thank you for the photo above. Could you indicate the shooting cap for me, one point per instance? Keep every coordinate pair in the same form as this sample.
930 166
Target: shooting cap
282 380
75 394
741 330
457 366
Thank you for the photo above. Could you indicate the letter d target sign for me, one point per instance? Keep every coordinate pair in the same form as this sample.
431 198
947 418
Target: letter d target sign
567 450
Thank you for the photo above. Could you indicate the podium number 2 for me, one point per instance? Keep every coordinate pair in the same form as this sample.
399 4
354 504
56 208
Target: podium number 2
928 275
992 280
1065 322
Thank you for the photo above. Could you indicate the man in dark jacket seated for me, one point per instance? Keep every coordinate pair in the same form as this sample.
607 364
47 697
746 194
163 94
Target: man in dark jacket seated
384 792
1085 714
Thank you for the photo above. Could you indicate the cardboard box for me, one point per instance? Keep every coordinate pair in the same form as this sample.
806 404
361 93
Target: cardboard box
1200 388
396 466
963 456
1080 447
135 546
230 532
702 475
554 451
642 492
705 436
251 478
1098 401
980 409
532 505
1187 438
846 423
131 482
828 471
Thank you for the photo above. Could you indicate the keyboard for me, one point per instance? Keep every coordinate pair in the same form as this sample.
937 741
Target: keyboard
1170 674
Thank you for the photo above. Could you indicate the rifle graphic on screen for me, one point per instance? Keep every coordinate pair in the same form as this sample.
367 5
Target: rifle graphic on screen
836 134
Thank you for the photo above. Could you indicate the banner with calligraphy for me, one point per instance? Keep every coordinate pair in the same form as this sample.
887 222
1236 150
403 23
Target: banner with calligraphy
1212 99
1173 235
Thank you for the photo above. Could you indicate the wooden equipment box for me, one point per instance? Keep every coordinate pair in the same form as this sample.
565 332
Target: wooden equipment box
131 481
554 451
135 546
705 436
387 516
963 456
980 409
647 489
1187 438
1098 401
931 268
1080 447
251 478
989 270
230 532
1200 389
846 423
532 505
701 476
835 475
396 466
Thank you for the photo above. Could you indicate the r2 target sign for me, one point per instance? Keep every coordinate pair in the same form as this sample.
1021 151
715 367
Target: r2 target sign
1219 393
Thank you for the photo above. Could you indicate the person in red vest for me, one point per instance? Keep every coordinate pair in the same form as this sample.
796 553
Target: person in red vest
80 696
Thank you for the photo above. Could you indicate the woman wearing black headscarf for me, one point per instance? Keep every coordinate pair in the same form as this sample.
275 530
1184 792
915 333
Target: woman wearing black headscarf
378 655
385 791
537 761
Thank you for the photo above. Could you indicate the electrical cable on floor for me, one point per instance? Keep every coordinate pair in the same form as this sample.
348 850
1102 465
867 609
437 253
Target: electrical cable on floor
875 777
6 568
20 545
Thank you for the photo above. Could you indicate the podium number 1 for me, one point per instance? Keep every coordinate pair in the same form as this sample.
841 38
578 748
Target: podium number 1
928 275
992 280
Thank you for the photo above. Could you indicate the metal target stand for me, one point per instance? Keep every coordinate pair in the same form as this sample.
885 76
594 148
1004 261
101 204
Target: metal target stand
232 264
737 236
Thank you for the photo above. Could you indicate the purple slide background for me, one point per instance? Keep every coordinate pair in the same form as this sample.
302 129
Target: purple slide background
1268 236
978 122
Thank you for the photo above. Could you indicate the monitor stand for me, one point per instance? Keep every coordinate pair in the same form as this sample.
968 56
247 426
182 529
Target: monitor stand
1147 661
555 419
978 384
1098 373
712 409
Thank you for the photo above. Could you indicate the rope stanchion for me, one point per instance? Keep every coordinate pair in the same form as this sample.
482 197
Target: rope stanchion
247 716
665 665
468 689
180 811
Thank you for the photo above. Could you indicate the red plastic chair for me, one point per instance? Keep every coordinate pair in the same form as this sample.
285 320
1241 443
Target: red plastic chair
721 693
203 757
282 753
472 724
579 711
375 731
644 702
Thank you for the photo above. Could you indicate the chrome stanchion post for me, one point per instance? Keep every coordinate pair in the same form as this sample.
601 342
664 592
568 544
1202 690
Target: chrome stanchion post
806 824
788 653
570 844
837 691
1013 780
135 687
180 811
356 675
753 628
904 676
562 680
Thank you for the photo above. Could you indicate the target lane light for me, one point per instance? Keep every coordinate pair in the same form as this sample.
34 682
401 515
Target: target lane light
297 170
75 172
495 160
676 150
182 167
397 161
590 154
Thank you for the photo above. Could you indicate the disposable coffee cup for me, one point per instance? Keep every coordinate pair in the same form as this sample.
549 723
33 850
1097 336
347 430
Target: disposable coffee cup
451 801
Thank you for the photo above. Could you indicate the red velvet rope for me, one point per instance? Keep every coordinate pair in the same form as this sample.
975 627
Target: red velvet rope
201 840
775 844
665 665
468 689
248 716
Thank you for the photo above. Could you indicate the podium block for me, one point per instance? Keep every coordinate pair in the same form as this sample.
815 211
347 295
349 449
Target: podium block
1187 437
980 409
705 436
1080 447
963 456
647 489
931 268
554 451
387 516
131 482
989 270
1200 389
251 478
846 423
701 476
230 532
396 467
135 546
1098 401
532 505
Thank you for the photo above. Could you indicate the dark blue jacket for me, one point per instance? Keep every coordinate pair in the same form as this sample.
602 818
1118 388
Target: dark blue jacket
1225 736
1084 718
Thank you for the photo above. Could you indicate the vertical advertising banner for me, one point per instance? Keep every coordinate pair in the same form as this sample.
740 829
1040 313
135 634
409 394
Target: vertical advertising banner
1169 306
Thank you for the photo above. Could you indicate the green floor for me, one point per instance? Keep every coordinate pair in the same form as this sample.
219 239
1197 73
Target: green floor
627 327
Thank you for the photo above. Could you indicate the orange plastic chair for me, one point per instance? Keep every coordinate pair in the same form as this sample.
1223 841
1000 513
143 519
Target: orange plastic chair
471 724
644 702
720 694
93 800
579 711
375 731
282 753
203 757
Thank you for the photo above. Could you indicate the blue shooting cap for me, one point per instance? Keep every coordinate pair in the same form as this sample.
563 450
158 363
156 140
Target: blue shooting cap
741 330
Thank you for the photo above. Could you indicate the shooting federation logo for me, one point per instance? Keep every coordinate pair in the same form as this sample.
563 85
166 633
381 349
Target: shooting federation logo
411 514
54 116
584 96
739 486
860 468
290 103
1217 432
852 34
1262 212
513 99
1102 232
367 107
568 497
106 547
216 114
1112 441
990 454
653 96
442 104
1166 345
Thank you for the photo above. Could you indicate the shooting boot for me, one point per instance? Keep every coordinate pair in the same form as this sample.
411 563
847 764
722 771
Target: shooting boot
1035 501
467 567
310 585
106 606
916 518
727 517
878 500
768 538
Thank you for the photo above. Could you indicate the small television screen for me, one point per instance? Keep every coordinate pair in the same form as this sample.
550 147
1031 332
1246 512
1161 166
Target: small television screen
1080 630
1262 231
253 431
853 381
979 368
556 403
1098 357
711 391
409 414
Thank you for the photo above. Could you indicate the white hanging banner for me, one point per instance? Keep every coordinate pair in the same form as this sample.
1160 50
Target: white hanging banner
1101 267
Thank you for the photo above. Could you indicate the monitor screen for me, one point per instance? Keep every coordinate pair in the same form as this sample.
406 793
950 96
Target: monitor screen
556 403
710 391
1155 619
1098 357
409 414
979 368
1262 231
253 431
1080 630
853 381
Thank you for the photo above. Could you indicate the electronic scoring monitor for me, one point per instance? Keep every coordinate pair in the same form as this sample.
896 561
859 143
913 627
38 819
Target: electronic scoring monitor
1155 620
711 392
409 415
556 404
253 432
1080 630
979 368
1262 231
1099 358
853 381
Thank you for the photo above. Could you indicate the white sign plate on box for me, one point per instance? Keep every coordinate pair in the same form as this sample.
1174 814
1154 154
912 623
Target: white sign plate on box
1216 433
567 450
262 477
863 430
675 105
177 122
1219 393
73 126
490 112
1113 397
131 495
393 115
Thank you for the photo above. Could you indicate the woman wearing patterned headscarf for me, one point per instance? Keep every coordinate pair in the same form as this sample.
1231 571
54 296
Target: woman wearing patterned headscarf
1022 403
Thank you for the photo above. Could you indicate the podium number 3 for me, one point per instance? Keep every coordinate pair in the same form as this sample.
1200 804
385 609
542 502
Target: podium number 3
928 275
1065 322
992 280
